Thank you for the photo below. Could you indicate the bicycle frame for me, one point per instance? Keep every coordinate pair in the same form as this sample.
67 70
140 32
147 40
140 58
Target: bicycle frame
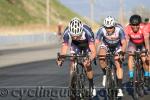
78 77
138 79
138 66
111 77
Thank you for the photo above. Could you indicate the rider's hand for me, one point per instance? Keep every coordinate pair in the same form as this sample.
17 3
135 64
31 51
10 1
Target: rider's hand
59 61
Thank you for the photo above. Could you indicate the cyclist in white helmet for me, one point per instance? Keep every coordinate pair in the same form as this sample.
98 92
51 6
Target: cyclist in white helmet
81 39
111 37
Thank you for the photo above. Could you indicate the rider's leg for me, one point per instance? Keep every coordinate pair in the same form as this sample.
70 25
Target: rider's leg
147 41
90 75
102 63
145 66
146 69
130 67
131 48
119 72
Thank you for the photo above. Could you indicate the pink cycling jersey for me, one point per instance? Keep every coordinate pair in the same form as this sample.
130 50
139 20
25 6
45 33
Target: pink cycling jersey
136 38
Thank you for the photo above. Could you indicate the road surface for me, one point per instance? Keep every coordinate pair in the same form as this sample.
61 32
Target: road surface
43 80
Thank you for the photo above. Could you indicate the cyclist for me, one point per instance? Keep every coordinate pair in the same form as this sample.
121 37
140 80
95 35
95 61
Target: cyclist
81 39
110 36
137 39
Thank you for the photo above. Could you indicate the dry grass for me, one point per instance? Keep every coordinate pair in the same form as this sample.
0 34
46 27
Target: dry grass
34 29
27 29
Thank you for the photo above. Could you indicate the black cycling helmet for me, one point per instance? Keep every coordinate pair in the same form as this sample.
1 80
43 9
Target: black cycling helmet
135 20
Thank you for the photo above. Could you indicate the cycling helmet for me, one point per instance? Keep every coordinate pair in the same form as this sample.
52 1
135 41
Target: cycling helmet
109 21
75 27
135 20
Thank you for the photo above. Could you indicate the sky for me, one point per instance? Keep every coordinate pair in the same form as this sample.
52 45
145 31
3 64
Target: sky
103 8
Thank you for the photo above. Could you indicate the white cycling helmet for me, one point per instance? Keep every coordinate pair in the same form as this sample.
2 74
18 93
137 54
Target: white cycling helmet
109 21
75 27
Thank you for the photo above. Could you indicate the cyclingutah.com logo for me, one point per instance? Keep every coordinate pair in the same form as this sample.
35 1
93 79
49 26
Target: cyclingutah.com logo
40 92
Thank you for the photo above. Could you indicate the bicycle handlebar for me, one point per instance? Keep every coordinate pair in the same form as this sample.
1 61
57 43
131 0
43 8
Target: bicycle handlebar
130 53
74 55
107 54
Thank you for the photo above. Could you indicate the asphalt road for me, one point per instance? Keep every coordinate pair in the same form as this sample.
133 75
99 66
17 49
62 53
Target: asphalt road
28 49
40 80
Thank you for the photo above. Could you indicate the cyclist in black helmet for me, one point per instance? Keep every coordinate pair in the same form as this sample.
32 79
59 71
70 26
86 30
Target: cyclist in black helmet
137 39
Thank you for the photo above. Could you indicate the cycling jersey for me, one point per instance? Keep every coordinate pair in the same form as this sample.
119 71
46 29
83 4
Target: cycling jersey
136 38
110 40
83 42
89 29
119 25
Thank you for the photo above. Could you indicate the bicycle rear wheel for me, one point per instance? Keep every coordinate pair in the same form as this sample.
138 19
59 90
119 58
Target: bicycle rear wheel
141 81
79 92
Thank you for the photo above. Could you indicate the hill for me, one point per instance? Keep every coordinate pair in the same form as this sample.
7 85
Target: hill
22 12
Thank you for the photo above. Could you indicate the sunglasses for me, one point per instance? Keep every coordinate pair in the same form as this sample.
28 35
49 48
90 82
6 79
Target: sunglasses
109 27
135 25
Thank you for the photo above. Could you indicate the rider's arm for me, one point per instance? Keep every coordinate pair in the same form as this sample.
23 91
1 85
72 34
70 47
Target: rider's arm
146 38
64 49
127 30
123 40
91 40
93 49
147 42
65 43
98 38
124 45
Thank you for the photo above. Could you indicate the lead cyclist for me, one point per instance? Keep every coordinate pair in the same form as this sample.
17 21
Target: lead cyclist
81 38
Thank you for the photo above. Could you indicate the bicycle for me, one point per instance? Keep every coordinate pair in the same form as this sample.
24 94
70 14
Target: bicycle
111 77
138 77
78 78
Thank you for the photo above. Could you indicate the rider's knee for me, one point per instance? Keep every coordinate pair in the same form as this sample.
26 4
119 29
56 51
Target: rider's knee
130 58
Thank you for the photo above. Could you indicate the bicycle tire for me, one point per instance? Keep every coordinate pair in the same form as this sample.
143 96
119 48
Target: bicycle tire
73 87
135 84
80 92
141 80
114 85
